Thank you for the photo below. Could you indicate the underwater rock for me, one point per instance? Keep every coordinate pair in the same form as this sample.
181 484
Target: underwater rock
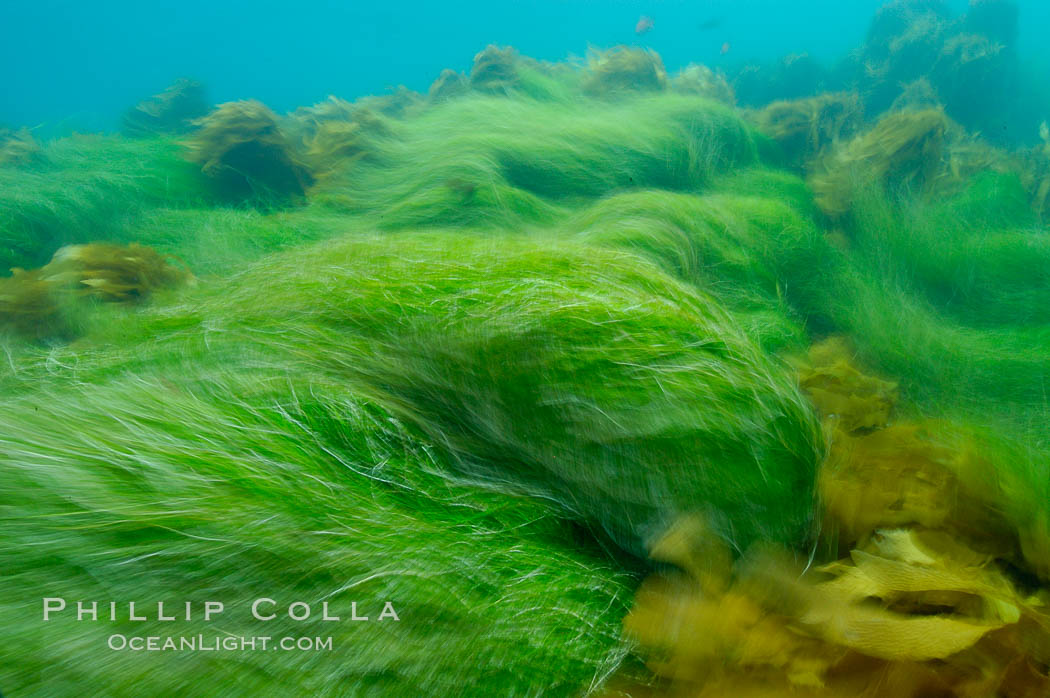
448 85
333 134
495 70
1036 173
970 61
793 77
171 111
623 70
804 128
18 147
696 79
970 65
995 19
241 148
903 43
916 96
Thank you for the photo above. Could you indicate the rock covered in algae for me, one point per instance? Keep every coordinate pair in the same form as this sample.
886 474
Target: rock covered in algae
919 152
333 133
996 19
916 96
1036 172
792 77
241 148
806 127
903 149
962 58
396 104
448 85
696 79
623 70
439 171
971 65
171 111
495 70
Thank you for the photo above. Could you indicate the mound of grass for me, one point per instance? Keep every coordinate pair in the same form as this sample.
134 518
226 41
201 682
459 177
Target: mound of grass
408 419
587 377
521 159
223 485
88 189
754 253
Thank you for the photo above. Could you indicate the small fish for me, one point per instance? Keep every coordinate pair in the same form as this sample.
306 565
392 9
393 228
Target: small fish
725 49
644 26
712 23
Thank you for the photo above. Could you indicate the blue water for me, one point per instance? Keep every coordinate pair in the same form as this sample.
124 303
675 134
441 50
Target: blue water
76 65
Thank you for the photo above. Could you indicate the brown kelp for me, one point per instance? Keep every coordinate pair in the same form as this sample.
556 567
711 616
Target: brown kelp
448 85
696 79
904 149
805 128
333 134
926 600
18 147
243 152
172 111
623 70
37 303
495 70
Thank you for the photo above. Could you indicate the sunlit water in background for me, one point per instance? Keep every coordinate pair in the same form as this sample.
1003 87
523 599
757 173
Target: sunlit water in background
77 65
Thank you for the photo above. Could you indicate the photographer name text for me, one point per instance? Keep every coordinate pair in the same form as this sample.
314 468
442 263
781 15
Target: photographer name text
262 609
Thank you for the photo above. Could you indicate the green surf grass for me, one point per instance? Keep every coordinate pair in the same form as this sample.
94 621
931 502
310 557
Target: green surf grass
222 446
498 162
487 420
88 188
236 487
